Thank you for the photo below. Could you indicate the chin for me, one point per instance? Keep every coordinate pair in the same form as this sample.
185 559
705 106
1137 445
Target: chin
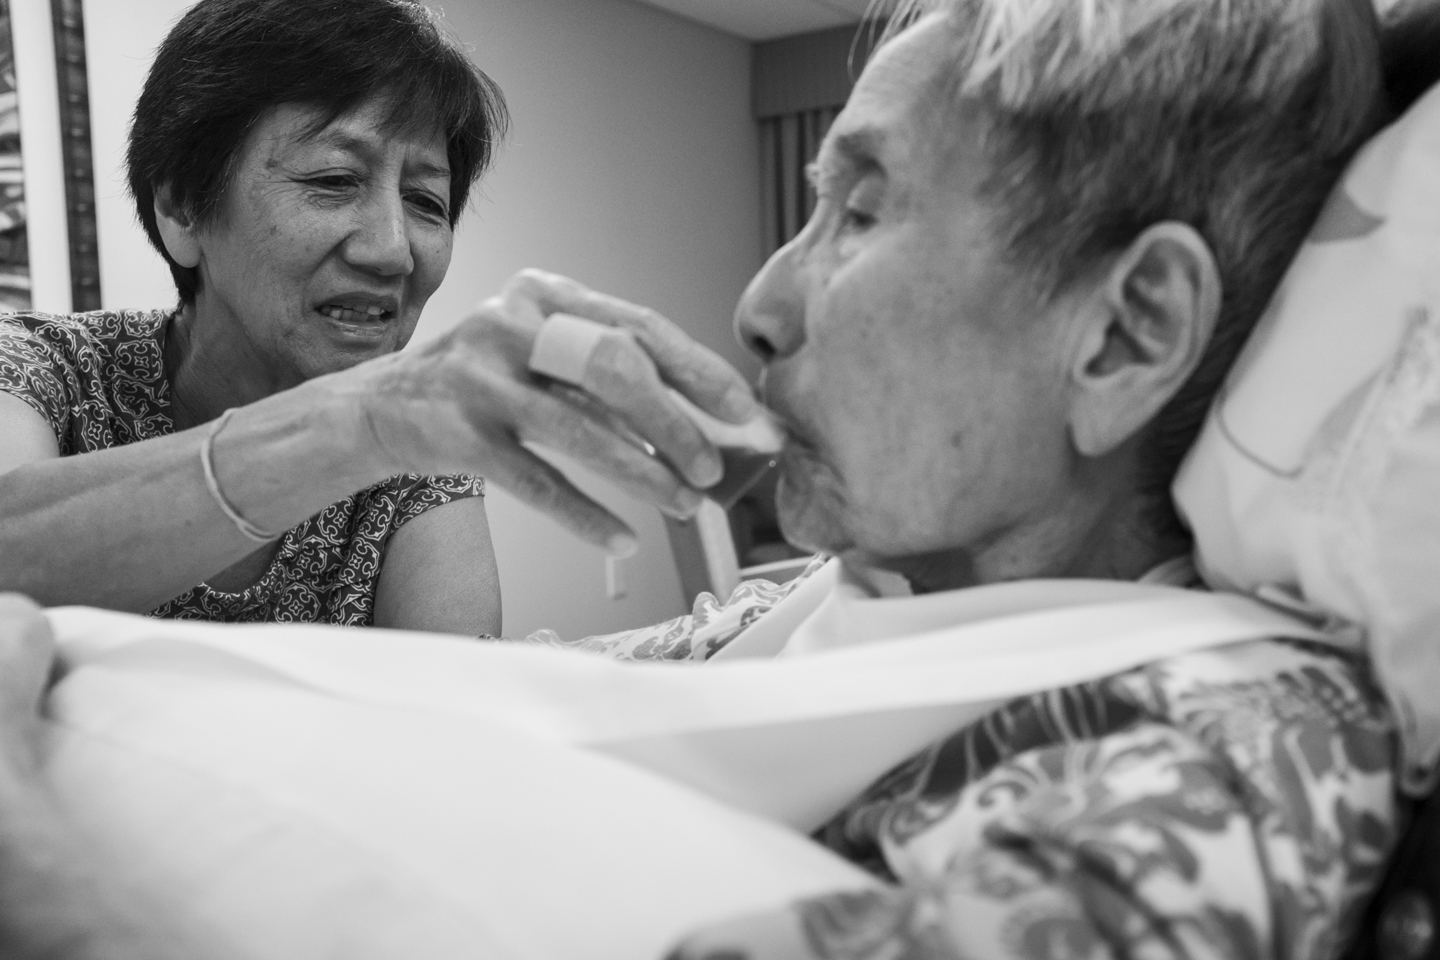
810 517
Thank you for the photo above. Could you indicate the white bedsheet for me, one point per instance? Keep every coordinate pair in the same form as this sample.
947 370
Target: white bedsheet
316 792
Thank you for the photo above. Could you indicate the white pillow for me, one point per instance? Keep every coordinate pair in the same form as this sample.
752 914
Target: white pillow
1317 475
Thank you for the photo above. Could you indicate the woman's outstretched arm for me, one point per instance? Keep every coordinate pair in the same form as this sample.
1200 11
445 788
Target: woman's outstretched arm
129 527
132 526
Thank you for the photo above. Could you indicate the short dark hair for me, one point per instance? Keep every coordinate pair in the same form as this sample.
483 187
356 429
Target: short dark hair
227 61
1410 43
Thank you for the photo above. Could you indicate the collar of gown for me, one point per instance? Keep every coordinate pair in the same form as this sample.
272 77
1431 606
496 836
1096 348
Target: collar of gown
844 605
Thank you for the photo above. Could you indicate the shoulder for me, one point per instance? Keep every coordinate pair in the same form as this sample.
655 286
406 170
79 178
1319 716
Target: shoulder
102 332
88 374
36 344
44 359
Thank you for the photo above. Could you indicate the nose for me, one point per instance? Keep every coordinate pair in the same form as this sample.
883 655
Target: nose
770 319
380 241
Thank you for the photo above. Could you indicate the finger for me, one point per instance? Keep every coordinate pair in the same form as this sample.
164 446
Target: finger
17 605
623 378
573 430
23 624
689 366
620 378
538 484
695 370
27 651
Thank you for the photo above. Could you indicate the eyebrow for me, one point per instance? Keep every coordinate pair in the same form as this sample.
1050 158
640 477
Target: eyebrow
363 147
857 149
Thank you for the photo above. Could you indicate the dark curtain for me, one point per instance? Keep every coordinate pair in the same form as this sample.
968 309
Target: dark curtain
787 144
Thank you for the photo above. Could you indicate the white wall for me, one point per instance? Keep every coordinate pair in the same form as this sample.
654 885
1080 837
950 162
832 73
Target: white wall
632 166
37 88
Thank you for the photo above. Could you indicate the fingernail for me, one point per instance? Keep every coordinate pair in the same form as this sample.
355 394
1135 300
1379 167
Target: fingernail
687 504
706 469
740 404
622 545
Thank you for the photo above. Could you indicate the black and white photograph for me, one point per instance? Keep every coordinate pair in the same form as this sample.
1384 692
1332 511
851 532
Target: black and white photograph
720 479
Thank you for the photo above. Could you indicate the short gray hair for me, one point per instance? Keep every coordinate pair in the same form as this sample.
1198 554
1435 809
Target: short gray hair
1103 117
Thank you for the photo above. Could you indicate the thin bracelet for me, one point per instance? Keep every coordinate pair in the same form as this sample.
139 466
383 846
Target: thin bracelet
213 485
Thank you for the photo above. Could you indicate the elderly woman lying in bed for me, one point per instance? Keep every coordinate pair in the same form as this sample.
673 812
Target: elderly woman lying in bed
1044 231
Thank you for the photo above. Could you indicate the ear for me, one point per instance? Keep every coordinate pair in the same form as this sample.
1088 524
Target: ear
177 229
1144 332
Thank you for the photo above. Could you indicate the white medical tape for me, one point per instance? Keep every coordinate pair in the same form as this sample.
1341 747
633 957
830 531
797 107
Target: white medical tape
564 345
563 348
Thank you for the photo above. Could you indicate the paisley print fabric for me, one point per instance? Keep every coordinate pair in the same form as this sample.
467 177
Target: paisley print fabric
99 379
698 635
1233 803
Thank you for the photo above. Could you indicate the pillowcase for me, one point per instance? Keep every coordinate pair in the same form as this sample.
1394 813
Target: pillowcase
1316 478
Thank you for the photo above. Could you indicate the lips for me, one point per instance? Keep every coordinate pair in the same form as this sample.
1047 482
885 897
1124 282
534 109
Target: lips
350 315
782 416
359 308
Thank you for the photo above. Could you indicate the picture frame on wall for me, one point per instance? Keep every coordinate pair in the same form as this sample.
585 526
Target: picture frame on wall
14 248
77 156
49 253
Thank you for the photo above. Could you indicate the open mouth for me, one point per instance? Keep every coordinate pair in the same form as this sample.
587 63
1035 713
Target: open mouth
356 315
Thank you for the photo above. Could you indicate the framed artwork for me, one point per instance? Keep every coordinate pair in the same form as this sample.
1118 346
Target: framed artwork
14 246
72 116
72 81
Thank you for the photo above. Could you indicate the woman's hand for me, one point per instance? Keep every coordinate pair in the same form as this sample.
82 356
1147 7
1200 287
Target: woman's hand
27 651
129 527
469 403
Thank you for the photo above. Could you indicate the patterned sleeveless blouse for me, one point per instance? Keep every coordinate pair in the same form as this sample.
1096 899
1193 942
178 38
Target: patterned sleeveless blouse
99 379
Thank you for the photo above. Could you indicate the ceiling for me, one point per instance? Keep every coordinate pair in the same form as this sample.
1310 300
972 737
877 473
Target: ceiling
766 19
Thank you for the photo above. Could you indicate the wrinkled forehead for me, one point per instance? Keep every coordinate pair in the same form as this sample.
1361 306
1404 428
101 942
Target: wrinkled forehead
367 128
905 103
383 113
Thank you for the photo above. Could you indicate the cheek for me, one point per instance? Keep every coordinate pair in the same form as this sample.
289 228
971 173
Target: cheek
285 249
432 261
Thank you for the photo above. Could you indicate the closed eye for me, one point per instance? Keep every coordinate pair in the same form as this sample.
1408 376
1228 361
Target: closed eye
857 219
431 205
334 181
864 201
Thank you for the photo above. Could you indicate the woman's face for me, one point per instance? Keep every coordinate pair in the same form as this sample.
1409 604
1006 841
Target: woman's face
326 246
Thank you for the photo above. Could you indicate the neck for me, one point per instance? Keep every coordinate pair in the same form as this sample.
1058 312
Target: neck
208 371
1093 533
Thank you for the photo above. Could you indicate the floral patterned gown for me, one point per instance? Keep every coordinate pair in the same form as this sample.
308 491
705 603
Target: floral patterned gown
99 380
1232 803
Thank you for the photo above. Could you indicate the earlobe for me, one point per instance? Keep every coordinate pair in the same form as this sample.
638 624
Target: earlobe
1151 317
177 230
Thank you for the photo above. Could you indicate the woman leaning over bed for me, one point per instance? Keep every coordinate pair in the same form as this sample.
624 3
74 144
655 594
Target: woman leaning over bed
301 165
